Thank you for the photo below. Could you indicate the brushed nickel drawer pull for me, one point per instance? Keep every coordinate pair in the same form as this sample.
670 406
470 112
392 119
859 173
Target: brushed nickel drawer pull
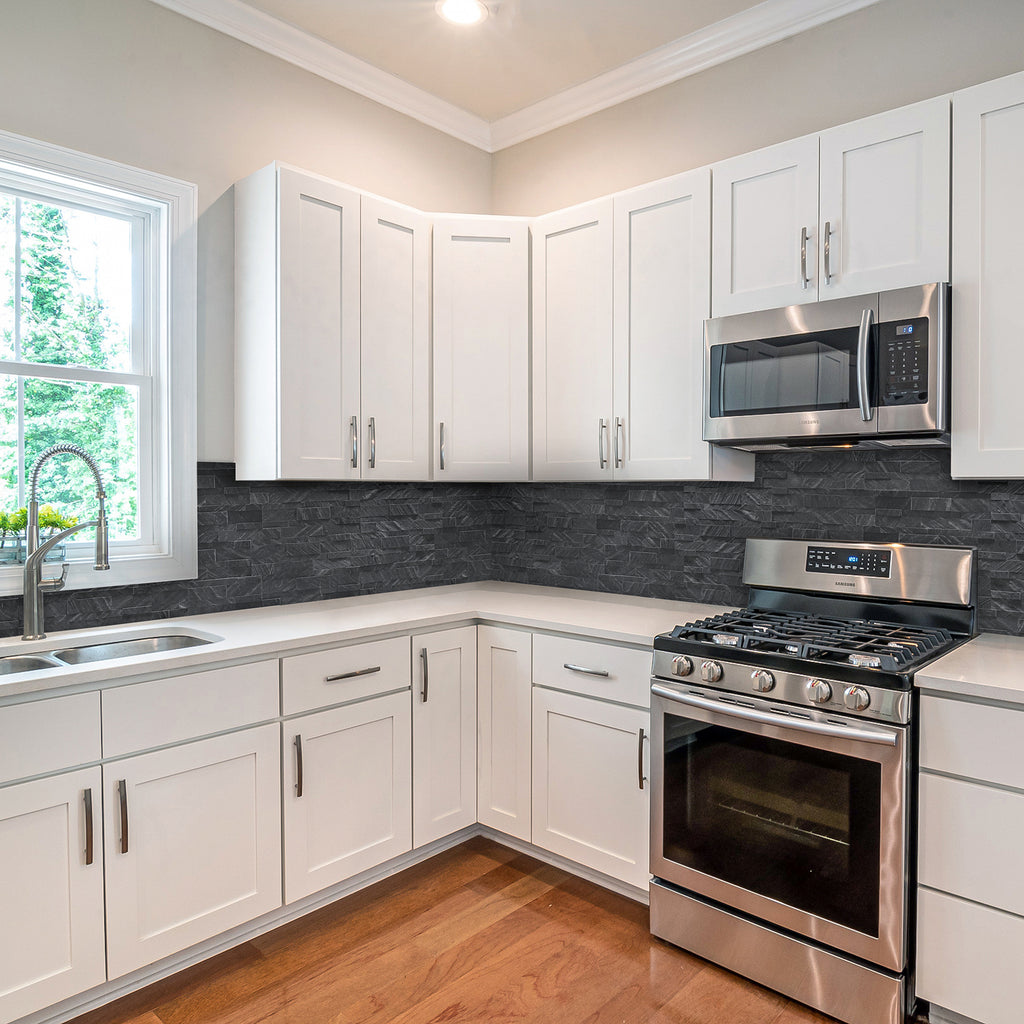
298 766
89 852
122 799
352 675
587 671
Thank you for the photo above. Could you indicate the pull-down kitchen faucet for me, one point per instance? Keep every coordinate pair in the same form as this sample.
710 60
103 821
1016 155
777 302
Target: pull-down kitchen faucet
35 585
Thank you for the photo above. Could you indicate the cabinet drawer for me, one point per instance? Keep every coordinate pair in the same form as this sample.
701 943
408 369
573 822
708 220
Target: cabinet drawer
593 669
978 741
971 837
345 674
969 957
48 735
180 708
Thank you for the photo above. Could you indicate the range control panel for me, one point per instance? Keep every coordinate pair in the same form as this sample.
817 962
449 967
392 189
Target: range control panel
850 561
903 362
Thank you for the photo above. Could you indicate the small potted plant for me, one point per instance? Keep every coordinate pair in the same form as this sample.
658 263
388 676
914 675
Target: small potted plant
50 522
12 528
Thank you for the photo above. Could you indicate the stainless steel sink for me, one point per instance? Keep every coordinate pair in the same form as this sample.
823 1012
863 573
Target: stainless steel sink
127 648
25 663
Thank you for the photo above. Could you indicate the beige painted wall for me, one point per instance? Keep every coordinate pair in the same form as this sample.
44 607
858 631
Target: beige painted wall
885 56
134 82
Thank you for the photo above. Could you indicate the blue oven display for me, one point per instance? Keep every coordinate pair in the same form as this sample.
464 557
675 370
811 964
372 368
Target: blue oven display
849 561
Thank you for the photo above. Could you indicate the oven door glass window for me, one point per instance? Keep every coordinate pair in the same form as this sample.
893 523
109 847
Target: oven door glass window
804 373
787 821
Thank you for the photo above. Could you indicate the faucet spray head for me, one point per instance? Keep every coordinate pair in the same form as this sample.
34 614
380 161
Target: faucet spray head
102 560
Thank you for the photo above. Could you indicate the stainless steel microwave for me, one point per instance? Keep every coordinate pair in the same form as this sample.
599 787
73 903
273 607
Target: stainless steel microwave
870 371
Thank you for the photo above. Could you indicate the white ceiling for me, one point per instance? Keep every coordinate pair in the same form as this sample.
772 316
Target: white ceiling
532 66
526 51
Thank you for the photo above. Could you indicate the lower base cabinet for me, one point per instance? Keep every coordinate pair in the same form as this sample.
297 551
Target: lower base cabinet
590 789
193 843
348 792
51 907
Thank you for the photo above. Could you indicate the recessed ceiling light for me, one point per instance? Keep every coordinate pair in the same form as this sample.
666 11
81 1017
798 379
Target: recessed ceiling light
462 12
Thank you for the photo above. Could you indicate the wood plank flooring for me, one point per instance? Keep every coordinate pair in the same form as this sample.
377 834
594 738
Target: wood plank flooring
479 933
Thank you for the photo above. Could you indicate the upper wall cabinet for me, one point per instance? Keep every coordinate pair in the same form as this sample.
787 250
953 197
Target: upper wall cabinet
481 349
863 207
621 290
988 317
331 332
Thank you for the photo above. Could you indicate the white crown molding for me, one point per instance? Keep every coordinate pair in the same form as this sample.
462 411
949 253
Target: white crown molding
735 36
760 26
278 38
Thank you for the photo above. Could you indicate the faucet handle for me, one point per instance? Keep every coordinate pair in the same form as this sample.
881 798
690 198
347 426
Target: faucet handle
57 583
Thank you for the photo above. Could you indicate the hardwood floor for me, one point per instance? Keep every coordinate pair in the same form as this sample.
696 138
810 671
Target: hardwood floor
479 933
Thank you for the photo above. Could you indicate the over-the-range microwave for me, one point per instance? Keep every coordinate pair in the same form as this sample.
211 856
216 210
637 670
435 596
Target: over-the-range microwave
866 371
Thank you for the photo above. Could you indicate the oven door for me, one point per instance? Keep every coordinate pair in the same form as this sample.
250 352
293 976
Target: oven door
802 372
798 821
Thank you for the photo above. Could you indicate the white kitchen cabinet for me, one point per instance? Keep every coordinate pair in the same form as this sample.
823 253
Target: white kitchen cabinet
503 759
861 208
394 342
481 290
443 733
192 839
51 860
347 792
590 783
987 313
662 295
296 327
572 343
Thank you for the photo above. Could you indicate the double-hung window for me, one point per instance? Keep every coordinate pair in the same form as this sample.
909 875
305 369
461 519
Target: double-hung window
97 348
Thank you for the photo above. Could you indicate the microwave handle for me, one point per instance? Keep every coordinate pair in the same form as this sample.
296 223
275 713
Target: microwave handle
863 341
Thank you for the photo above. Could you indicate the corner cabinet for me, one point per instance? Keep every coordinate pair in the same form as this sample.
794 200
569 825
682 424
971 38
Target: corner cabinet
987 314
860 208
481 427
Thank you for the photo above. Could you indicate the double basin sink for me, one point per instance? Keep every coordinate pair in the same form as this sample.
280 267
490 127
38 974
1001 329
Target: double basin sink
65 656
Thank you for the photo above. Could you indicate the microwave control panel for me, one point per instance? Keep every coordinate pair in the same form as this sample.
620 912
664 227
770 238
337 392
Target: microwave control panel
903 362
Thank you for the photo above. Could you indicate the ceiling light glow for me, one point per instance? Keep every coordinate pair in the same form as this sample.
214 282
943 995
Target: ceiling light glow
462 12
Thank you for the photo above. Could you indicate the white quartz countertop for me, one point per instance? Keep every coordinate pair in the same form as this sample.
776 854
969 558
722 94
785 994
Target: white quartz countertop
285 629
989 667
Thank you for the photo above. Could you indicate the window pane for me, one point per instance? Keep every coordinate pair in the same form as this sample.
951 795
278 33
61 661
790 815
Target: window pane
6 276
76 287
103 419
9 502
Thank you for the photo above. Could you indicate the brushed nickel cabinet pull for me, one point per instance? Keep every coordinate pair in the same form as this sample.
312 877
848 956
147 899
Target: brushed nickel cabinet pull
620 427
355 442
298 766
89 836
641 778
602 459
423 692
373 444
441 446
828 252
122 799
352 675
586 671
804 279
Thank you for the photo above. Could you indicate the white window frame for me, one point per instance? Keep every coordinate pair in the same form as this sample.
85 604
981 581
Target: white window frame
166 364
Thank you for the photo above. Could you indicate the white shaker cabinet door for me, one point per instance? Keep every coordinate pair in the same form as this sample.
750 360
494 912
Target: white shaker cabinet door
51 907
765 217
591 764
481 425
443 733
347 792
394 342
504 687
193 843
987 312
572 343
662 297
884 201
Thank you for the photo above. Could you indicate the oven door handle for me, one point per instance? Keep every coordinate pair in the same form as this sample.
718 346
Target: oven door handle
868 734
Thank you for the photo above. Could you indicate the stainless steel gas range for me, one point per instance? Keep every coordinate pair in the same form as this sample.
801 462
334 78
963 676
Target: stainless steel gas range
782 765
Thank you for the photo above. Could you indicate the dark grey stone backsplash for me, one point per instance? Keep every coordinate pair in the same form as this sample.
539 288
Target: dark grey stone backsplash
269 543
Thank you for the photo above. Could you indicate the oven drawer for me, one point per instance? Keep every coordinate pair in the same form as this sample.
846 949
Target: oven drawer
978 741
971 838
969 957
605 671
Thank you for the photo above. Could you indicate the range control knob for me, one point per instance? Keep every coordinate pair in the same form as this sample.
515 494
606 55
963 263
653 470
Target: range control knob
681 666
763 680
711 671
818 691
856 698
